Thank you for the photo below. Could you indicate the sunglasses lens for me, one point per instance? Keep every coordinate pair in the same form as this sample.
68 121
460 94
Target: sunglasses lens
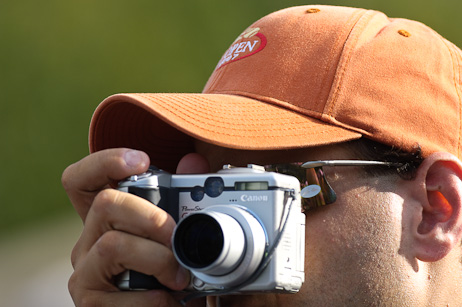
316 177
315 190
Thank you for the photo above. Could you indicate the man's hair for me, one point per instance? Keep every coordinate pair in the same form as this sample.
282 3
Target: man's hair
408 162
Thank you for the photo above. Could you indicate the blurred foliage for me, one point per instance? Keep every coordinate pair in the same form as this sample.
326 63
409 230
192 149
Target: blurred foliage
59 59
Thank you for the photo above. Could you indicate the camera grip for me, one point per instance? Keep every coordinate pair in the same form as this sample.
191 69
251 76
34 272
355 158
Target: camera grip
166 199
132 280
162 197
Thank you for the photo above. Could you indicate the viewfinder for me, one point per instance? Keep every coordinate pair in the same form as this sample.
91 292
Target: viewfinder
251 186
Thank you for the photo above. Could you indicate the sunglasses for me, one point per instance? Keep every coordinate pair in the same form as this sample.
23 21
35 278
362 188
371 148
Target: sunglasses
315 190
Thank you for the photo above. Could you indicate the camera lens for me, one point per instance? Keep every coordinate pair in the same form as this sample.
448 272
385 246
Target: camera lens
214 186
210 242
199 241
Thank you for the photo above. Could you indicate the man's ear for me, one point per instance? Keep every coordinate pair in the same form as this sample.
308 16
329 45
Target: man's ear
439 227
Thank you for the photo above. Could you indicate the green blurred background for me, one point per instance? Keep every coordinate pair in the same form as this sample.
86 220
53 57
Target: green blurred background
59 59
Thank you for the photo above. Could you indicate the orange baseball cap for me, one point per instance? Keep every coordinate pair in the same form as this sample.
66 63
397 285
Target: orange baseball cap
300 77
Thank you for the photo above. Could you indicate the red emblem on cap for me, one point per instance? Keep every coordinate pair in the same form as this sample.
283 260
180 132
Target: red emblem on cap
248 43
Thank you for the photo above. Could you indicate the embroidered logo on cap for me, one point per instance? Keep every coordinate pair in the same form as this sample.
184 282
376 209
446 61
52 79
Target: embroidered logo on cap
248 43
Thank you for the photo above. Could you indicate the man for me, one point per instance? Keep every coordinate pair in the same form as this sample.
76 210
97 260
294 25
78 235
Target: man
302 84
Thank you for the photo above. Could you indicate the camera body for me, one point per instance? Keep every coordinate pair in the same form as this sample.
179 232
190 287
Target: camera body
226 223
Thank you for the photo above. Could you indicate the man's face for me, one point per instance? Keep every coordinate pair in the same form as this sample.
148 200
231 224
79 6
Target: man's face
353 249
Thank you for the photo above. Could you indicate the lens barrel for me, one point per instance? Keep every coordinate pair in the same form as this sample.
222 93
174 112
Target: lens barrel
222 245
209 242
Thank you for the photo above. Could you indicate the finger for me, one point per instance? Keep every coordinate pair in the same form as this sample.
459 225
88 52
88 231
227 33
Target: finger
84 179
115 210
193 163
117 251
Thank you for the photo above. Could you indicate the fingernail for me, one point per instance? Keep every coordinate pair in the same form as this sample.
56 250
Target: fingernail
134 158
182 276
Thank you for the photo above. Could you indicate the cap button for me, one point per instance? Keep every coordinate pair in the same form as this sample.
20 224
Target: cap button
312 10
404 33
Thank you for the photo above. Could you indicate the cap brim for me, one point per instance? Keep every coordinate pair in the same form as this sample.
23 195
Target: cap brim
146 122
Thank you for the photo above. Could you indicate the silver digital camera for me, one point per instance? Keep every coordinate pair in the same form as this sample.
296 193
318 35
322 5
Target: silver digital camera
238 230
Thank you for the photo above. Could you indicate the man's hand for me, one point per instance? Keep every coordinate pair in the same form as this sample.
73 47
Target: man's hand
121 231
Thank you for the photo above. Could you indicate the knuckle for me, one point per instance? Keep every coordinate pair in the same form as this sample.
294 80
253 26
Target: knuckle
163 223
71 284
108 245
168 267
159 218
66 177
104 201
75 255
74 290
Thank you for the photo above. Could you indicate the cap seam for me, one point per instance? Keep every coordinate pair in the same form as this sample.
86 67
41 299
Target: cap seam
192 121
212 117
458 89
351 40
219 72
275 102
457 81
291 107
337 45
